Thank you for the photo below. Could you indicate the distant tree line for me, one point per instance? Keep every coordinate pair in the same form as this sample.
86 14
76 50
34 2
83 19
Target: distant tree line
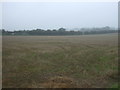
61 31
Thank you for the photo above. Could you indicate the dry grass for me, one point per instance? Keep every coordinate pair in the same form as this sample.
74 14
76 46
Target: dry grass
60 61
59 82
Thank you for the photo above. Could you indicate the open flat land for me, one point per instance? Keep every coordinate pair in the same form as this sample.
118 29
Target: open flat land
85 61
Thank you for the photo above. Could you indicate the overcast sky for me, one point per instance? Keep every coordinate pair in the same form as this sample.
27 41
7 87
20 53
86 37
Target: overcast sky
53 15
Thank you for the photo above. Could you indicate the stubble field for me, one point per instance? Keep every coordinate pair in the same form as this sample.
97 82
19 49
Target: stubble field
88 61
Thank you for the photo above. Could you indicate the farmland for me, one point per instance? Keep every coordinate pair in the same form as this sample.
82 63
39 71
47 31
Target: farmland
87 61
